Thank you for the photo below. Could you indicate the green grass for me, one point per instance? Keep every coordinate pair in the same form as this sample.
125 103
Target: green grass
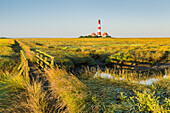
82 92
18 93
73 93
8 57
140 50
126 96
105 95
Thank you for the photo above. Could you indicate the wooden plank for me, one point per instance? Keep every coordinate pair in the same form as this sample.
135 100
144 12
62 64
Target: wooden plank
20 72
45 54
24 64
38 61
20 66
43 60
41 65
46 61
23 54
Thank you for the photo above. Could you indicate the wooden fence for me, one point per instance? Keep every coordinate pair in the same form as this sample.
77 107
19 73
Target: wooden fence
23 67
44 60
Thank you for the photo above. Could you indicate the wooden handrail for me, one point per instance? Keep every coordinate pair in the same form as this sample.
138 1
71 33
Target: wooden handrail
23 67
42 59
44 54
24 55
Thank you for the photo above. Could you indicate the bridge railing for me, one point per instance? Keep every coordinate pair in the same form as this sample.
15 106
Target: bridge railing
44 60
23 67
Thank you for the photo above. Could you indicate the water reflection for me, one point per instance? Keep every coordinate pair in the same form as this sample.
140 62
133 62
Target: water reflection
150 81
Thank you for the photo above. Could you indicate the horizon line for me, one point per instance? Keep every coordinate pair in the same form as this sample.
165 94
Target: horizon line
78 36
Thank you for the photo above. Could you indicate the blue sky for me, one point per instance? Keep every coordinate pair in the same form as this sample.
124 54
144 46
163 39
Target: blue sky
54 18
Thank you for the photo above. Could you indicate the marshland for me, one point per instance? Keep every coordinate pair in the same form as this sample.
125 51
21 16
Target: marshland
89 75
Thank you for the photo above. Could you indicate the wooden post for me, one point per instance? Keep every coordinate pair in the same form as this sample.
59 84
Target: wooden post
46 61
41 62
38 61
23 62
23 67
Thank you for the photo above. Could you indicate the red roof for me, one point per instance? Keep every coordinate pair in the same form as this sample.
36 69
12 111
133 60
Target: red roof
93 34
104 34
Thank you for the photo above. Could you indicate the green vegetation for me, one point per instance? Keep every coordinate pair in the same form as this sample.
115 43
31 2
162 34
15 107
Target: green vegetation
109 52
73 93
79 91
8 56
17 92
116 95
2 37
89 36
18 95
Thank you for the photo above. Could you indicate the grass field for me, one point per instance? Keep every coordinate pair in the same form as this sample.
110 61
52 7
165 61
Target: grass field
8 55
72 86
8 64
119 53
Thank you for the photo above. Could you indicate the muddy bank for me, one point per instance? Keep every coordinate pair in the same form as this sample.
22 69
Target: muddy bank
144 68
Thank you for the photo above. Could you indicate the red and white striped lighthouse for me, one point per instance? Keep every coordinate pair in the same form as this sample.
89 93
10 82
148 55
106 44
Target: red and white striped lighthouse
99 28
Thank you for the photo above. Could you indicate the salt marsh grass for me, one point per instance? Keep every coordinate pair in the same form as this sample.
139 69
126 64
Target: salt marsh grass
122 95
19 94
109 51
112 90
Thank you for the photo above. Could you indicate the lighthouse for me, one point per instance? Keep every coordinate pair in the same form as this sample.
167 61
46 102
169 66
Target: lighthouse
99 28
99 35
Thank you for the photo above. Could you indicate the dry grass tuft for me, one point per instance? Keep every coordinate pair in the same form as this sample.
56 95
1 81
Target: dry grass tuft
73 93
17 94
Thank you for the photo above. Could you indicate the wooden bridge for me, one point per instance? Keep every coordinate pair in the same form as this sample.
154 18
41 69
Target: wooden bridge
43 61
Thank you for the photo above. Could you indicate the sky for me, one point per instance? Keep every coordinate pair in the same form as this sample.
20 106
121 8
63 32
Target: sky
72 18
